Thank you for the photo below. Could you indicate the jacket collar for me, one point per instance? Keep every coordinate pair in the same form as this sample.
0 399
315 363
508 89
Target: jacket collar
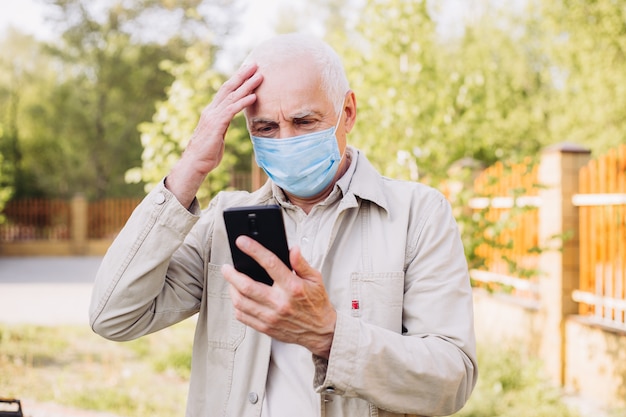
365 182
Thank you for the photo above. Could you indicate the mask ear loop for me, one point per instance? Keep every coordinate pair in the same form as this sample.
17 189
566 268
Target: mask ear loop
343 103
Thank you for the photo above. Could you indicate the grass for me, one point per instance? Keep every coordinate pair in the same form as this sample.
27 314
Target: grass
70 365
511 385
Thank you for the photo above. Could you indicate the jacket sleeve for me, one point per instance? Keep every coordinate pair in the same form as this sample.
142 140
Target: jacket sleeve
151 276
430 369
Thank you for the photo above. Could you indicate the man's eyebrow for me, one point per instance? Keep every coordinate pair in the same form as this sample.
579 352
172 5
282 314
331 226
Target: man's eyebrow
260 120
306 113
295 116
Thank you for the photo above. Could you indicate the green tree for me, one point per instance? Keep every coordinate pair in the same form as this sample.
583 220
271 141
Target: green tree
393 70
6 190
427 100
70 116
586 43
109 85
25 77
496 107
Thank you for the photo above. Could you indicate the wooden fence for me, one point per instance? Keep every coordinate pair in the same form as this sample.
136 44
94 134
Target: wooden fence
43 219
107 217
602 211
506 199
571 312
75 226
33 218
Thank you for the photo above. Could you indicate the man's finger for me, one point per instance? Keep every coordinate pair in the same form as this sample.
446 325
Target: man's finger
236 81
300 265
266 258
243 285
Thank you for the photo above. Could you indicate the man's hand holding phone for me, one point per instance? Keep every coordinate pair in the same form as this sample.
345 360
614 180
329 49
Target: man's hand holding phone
263 224
295 309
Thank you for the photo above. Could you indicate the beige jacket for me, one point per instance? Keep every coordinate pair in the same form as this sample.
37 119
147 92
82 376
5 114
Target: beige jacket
408 349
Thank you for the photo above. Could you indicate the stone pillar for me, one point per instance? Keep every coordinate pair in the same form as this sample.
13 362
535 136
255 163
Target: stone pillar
79 224
558 236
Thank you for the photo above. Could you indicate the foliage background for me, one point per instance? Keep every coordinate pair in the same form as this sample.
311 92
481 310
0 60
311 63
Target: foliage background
105 108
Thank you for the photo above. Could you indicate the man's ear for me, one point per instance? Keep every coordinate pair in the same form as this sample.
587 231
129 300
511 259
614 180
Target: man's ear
349 109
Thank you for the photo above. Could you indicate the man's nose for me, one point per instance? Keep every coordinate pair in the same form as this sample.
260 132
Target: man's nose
287 131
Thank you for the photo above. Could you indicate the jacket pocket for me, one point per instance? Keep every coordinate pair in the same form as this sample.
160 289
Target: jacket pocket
377 298
224 331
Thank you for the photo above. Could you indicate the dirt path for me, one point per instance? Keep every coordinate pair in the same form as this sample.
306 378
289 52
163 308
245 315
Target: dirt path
46 290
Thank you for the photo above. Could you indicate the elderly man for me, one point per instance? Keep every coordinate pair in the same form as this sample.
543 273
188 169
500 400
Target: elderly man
374 318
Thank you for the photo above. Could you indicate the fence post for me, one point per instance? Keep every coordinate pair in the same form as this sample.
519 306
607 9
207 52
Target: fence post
258 175
559 261
78 224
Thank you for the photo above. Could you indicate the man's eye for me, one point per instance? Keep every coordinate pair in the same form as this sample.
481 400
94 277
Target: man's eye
265 129
305 122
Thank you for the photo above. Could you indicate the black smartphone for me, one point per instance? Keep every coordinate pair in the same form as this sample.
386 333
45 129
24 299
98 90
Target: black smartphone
263 224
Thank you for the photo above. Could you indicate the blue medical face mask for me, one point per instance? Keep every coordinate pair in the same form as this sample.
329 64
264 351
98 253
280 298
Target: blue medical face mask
301 165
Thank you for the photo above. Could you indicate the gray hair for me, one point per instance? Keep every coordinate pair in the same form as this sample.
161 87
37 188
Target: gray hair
277 50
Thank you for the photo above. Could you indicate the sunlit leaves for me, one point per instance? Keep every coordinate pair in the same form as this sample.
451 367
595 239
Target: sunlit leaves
441 98
587 43
514 80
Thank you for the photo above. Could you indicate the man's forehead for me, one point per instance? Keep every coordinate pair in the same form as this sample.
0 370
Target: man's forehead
290 91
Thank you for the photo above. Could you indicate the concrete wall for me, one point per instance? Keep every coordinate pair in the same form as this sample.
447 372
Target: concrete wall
595 362
594 357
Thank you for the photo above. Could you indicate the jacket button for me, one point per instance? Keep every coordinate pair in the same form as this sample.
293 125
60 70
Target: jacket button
253 397
159 198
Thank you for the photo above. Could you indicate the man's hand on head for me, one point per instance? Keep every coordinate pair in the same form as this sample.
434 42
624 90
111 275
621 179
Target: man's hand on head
206 146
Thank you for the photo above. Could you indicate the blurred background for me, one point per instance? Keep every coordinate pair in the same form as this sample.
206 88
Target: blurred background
98 99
